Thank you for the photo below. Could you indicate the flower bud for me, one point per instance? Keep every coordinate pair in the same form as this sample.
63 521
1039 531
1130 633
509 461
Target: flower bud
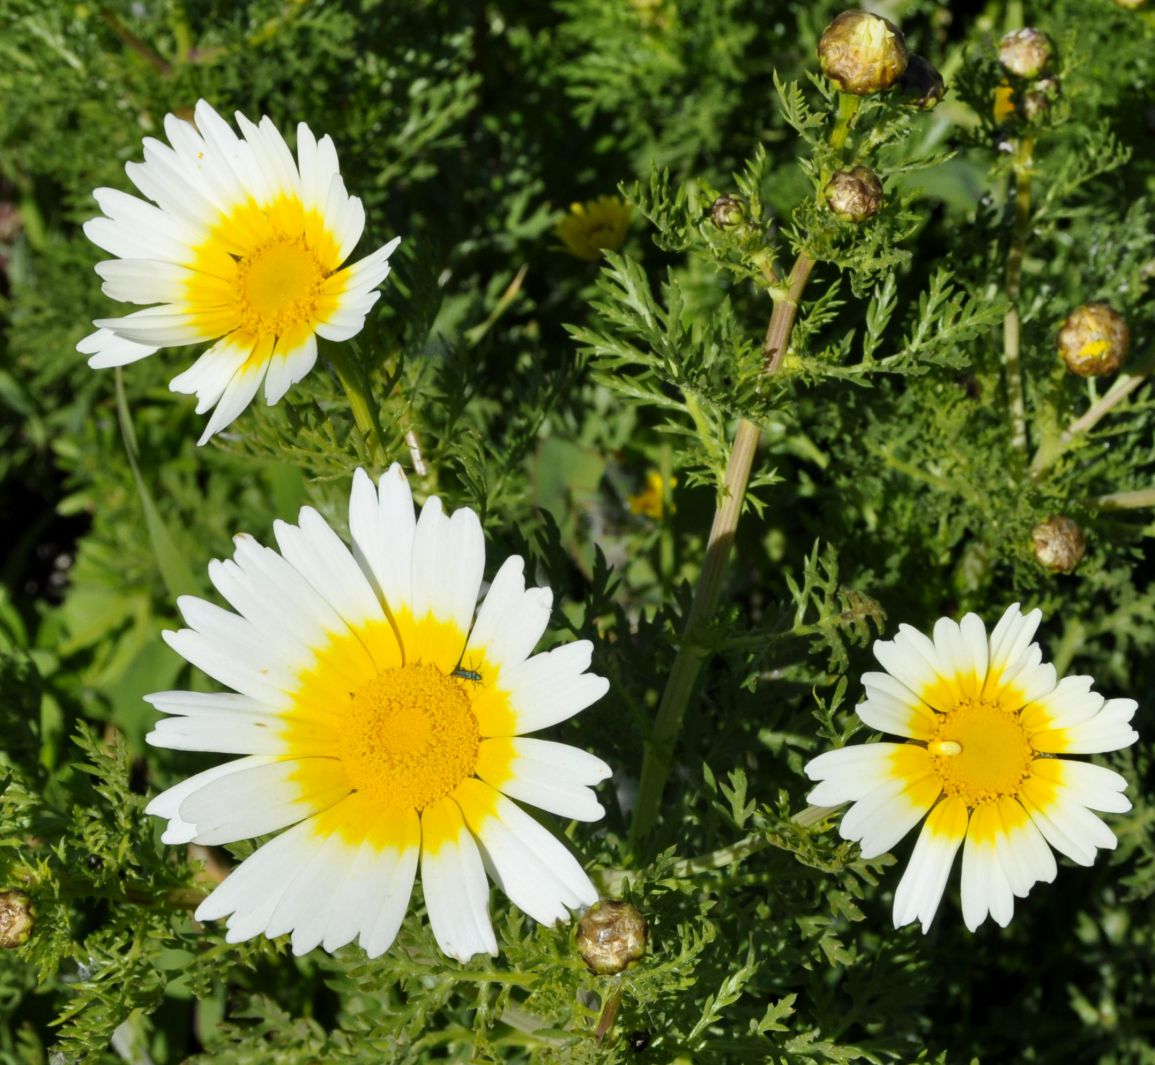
1025 53
1038 99
854 195
1059 544
862 53
611 935
1093 340
728 213
16 919
922 86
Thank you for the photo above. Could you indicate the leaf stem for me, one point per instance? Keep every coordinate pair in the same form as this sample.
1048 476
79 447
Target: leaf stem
1012 359
659 754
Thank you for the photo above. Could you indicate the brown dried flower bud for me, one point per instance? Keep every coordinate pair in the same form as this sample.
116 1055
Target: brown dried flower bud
1059 544
728 213
1093 340
1025 53
854 195
922 86
862 53
16 919
611 935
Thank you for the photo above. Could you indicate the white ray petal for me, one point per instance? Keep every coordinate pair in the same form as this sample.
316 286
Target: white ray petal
323 559
528 863
107 349
920 891
382 524
553 686
454 883
511 619
551 776
448 563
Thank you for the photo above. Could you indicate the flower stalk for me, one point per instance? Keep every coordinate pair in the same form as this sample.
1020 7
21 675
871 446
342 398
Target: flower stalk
1012 358
659 753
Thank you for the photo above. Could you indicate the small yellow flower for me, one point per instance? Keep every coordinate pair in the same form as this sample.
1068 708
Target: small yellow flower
1004 105
590 227
651 501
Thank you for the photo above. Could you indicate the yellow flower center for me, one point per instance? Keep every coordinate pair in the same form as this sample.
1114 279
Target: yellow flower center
279 286
980 752
409 737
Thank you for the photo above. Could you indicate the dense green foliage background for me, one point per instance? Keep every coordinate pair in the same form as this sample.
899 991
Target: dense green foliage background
544 389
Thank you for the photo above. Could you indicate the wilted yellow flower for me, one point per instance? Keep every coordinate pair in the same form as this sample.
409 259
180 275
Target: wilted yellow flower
650 502
589 228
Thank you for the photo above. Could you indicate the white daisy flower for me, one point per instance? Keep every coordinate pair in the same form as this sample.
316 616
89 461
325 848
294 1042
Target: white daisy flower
985 719
240 245
386 724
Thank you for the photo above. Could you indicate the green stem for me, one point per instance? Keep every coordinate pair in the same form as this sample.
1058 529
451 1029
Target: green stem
848 105
1135 500
357 391
658 759
1050 451
1012 359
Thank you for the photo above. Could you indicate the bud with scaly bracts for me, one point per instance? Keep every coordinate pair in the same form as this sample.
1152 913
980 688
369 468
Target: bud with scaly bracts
1059 544
16 919
1025 53
1038 99
728 213
611 935
1094 340
862 53
854 195
922 86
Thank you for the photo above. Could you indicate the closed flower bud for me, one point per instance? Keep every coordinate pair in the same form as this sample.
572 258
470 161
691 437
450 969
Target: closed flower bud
862 53
1038 99
854 195
1025 53
1093 340
922 86
16 919
728 213
611 935
1059 544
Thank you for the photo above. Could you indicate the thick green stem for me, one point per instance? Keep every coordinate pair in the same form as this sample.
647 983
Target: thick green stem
353 380
848 105
1012 359
659 754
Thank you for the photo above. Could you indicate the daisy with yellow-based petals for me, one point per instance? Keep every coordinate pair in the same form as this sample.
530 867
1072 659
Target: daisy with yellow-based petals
237 243
386 724
587 229
985 719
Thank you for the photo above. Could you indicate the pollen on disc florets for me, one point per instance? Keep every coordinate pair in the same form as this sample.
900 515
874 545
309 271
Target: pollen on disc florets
410 737
980 751
279 286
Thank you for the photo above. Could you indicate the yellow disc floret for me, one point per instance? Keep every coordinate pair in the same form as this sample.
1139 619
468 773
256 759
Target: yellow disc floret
409 737
980 751
279 287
